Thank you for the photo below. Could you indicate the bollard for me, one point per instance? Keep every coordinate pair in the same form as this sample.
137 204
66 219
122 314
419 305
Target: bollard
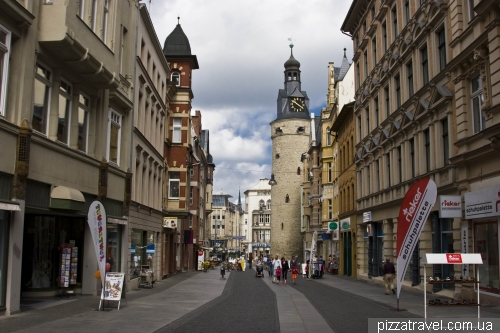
222 271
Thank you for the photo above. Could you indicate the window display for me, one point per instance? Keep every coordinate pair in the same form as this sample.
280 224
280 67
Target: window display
486 244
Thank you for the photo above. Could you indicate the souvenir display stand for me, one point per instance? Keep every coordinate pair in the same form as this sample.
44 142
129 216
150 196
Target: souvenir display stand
452 259
146 276
67 270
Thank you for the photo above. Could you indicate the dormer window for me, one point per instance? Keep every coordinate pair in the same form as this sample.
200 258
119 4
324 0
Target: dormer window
294 76
279 130
300 129
176 78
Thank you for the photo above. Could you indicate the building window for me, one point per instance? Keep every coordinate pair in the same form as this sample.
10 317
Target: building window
368 180
372 12
394 23
114 136
105 15
329 166
83 122
268 204
359 128
261 218
268 218
64 113
176 131
174 183
409 71
441 49
472 14
368 120
412 157
81 9
427 145
377 178
387 102
41 103
384 37
374 50
94 15
4 66
388 160
446 142
287 199
397 83
330 210
407 11
328 137
366 64
478 116
400 165
358 82
425 65
190 195
376 112
176 78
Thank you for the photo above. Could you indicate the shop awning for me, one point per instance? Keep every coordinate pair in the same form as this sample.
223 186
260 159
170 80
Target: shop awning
9 206
63 197
205 248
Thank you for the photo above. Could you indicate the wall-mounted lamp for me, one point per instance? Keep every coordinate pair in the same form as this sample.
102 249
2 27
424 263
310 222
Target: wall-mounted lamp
333 134
272 181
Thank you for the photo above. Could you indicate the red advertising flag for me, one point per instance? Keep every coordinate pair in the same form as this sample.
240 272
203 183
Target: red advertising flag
415 209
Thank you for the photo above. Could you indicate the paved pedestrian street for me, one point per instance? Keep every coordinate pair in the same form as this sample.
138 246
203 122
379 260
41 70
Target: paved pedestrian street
203 302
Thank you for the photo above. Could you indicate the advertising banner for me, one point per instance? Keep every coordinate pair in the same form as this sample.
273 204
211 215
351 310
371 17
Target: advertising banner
97 223
114 286
201 257
415 209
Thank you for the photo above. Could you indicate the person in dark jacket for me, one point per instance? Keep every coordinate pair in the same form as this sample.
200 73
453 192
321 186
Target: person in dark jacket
389 272
284 269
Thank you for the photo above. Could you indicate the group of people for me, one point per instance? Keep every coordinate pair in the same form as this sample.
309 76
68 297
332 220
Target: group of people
278 269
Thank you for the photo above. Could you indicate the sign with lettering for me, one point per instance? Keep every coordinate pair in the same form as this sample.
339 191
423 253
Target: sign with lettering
413 213
483 203
454 258
450 206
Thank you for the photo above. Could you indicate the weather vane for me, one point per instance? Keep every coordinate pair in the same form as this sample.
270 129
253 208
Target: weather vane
291 43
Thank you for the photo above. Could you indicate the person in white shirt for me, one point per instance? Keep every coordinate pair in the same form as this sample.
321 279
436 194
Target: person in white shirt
276 264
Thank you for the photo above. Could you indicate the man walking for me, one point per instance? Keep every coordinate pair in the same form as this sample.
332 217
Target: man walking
250 259
389 272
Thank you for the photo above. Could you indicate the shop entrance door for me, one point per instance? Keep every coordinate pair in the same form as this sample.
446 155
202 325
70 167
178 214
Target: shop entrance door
347 253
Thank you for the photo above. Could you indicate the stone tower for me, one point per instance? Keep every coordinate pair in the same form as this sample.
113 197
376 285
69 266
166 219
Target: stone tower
290 139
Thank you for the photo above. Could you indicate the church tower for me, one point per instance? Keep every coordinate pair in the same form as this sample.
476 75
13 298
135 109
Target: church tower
290 139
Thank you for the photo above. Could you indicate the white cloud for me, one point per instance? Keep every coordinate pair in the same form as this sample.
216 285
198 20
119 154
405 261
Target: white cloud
241 47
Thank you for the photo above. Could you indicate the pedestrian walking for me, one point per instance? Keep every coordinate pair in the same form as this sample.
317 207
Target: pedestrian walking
270 266
307 268
389 272
278 275
295 272
250 259
294 261
284 269
276 265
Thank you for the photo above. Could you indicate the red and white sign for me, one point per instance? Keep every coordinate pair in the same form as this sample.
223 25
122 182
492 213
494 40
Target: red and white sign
450 206
454 258
96 219
415 209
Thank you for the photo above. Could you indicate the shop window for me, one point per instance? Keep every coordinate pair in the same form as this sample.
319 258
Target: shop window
486 243
113 255
4 241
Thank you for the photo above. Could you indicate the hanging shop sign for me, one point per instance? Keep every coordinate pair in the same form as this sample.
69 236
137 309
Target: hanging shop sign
483 203
96 219
367 217
170 222
415 209
333 227
450 206
464 238
345 224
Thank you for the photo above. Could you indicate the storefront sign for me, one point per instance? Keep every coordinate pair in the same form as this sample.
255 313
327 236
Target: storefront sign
201 257
450 206
333 226
345 224
328 192
96 219
482 203
170 222
415 209
454 258
367 217
464 235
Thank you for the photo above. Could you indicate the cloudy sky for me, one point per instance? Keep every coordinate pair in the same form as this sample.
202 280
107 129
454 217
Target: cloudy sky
241 46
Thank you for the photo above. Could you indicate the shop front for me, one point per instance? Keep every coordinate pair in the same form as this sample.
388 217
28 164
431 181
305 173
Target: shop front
4 242
482 208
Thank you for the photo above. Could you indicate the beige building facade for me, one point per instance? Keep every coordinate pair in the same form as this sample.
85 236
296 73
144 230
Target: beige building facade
425 108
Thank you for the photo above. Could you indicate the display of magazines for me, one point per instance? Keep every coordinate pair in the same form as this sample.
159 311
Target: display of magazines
69 264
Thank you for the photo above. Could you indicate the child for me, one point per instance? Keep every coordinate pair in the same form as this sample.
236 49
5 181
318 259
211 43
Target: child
278 274
295 271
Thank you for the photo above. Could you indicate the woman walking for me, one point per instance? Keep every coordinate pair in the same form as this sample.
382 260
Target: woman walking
284 269
276 264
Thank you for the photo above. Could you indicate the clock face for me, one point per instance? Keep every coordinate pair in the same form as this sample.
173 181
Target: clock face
297 104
